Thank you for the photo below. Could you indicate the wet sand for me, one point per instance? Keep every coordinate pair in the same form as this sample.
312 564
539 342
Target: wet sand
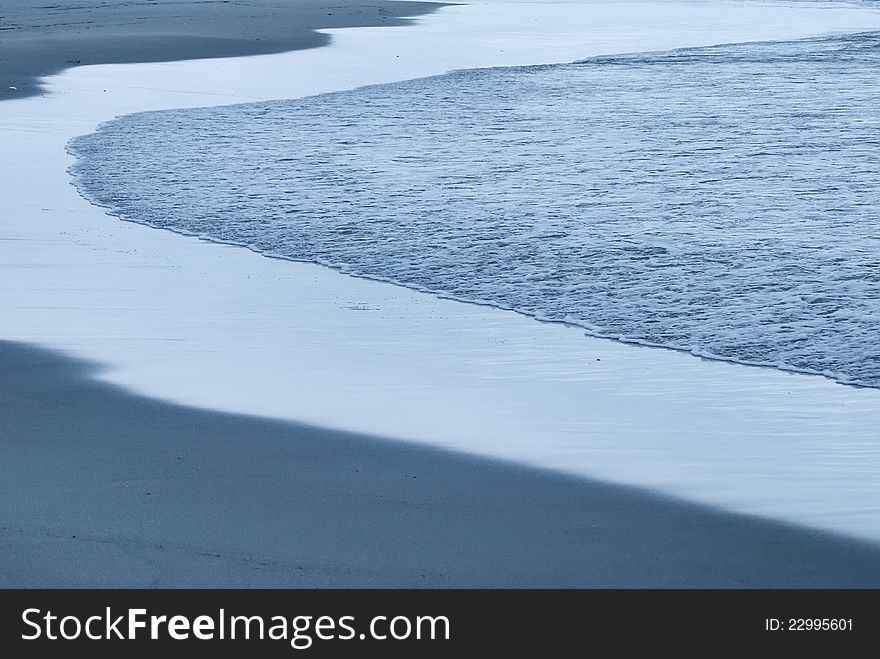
38 39
99 487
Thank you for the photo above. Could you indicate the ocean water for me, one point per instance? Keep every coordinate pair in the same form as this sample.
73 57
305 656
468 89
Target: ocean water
722 200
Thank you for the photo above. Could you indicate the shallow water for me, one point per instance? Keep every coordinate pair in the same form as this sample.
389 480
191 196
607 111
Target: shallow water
720 200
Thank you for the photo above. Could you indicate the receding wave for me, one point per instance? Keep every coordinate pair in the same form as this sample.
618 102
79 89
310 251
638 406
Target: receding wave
723 200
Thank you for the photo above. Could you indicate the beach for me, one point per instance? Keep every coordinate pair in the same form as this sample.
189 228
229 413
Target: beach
199 415
40 40
106 489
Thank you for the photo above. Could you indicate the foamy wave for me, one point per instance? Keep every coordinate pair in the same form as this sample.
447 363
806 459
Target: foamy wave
721 200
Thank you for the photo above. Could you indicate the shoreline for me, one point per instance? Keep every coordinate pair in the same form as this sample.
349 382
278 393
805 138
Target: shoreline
221 328
587 330
102 488
45 40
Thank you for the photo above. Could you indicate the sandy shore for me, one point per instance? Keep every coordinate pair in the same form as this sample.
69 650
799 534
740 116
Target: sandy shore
40 39
221 328
103 488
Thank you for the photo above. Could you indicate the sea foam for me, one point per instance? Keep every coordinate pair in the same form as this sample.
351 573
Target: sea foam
719 200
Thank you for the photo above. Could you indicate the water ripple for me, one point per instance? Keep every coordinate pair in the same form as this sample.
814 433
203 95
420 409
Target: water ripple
718 200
